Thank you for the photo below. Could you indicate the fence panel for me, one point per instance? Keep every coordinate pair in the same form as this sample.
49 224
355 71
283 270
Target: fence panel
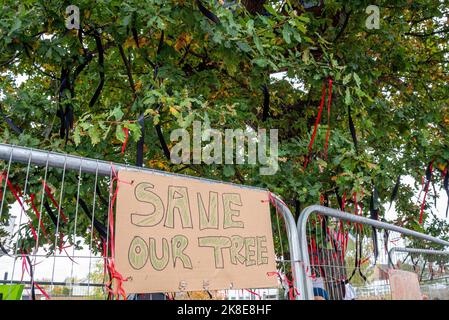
54 230
432 267
347 256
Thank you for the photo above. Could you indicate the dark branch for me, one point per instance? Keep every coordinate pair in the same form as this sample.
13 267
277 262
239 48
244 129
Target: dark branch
128 70
162 141
94 98
343 28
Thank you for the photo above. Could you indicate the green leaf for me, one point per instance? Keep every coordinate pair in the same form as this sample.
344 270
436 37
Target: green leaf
347 78
286 34
297 36
119 134
185 122
301 27
269 7
258 43
17 24
106 132
306 56
228 171
357 79
304 18
135 131
348 98
360 92
77 135
218 37
156 119
250 27
261 62
126 20
244 46
94 134
308 39
117 113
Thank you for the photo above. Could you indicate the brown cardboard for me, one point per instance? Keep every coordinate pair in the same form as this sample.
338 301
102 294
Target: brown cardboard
243 220
404 285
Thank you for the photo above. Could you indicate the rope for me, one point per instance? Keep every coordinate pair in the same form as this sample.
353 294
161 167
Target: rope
126 131
110 261
293 291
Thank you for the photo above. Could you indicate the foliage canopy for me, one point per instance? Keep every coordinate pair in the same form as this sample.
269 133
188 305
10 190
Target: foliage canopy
178 61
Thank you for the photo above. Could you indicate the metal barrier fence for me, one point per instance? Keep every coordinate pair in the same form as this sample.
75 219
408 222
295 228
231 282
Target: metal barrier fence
346 256
72 194
431 266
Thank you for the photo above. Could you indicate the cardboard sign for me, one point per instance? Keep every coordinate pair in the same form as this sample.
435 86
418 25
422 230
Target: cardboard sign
404 285
176 233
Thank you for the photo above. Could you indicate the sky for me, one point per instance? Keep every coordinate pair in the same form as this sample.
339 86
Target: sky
57 267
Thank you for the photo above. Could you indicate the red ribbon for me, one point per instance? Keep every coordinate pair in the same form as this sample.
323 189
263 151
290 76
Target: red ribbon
105 254
254 293
33 231
119 279
342 238
38 216
356 207
292 291
332 241
61 214
169 296
13 191
11 187
318 119
110 260
19 191
395 241
42 291
315 251
50 195
126 131
24 265
365 260
25 268
272 200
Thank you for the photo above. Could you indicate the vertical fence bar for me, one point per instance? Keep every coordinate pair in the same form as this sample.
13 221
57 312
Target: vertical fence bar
76 220
4 188
36 248
434 284
86 166
58 221
20 219
325 211
92 229
293 242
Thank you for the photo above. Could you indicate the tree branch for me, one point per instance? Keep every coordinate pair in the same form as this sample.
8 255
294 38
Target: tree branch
128 70
100 48
345 24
